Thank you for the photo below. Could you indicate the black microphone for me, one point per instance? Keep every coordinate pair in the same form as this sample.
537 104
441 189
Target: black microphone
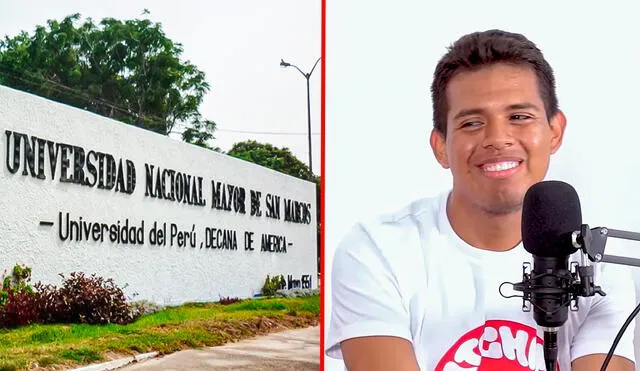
551 214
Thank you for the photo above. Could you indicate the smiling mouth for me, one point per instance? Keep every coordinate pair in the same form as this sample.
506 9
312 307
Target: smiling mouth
501 169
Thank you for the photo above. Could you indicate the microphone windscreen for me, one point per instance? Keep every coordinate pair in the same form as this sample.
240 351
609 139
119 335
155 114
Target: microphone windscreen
550 214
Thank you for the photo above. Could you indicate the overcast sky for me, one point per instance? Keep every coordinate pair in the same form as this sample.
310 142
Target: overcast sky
238 45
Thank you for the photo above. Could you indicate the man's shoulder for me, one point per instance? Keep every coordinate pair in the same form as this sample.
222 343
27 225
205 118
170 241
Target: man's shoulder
398 231
424 211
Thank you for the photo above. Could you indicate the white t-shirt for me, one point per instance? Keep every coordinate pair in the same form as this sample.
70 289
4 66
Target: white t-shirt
409 275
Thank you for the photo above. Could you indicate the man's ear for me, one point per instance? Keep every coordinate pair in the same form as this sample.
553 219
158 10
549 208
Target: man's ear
439 147
558 124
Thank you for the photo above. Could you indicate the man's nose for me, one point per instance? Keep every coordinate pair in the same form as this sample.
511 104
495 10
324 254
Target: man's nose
497 134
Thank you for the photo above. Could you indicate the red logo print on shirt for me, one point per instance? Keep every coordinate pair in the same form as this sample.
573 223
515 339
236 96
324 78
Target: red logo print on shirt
497 345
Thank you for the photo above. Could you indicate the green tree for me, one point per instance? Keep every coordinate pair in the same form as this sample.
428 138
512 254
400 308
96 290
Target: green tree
126 70
282 160
267 155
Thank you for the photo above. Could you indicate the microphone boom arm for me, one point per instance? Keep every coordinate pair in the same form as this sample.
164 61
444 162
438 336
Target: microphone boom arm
593 242
577 281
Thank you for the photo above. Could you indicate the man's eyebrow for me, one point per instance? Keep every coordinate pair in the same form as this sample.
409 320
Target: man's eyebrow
525 105
511 107
468 112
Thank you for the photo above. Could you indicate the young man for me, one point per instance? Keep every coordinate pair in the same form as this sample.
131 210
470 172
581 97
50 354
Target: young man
419 289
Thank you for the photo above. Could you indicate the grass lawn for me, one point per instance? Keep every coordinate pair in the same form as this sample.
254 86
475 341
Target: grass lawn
187 326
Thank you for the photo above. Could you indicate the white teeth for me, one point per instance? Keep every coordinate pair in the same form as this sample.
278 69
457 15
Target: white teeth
500 166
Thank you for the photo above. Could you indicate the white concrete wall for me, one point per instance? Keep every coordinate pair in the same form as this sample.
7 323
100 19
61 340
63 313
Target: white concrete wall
164 274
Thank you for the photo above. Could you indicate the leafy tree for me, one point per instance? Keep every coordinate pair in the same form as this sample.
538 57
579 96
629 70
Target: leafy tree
282 160
267 155
126 70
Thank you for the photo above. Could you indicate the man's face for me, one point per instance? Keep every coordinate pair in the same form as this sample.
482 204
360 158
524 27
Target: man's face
499 140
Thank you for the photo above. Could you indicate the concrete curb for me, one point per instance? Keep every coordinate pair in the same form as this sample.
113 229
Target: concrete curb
118 363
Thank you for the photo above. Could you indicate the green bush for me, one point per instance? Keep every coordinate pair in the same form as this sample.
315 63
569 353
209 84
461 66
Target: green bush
272 285
18 302
81 299
17 282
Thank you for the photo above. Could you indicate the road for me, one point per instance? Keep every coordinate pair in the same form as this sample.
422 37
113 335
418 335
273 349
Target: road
289 350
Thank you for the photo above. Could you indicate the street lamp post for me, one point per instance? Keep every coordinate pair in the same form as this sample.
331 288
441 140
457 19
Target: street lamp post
307 76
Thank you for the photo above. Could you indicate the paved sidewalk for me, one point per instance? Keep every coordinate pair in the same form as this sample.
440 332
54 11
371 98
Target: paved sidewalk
289 350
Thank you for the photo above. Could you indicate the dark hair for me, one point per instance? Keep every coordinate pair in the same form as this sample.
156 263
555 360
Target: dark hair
478 49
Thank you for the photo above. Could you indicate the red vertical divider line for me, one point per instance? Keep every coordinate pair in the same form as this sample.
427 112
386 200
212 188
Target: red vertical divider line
323 55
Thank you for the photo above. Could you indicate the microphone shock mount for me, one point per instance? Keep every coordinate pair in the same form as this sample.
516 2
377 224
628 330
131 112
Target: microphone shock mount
569 285
551 286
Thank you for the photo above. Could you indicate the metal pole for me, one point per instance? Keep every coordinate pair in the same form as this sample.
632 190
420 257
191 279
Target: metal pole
309 123
307 76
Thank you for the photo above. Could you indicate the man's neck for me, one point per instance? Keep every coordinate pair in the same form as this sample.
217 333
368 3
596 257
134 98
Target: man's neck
482 229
